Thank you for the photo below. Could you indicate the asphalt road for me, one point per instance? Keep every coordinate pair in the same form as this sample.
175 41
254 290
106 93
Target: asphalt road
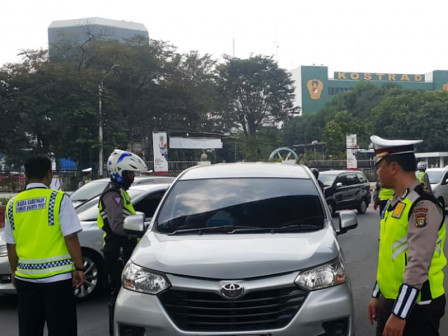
360 249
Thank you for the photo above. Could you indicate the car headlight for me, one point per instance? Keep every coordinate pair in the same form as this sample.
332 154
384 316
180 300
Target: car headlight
142 280
3 251
324 276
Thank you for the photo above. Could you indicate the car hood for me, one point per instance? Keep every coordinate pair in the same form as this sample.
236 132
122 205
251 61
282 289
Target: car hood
237 255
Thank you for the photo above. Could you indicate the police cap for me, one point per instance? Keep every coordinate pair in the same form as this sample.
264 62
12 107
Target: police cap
385 147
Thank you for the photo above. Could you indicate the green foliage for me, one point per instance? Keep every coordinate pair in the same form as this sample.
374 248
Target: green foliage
255 93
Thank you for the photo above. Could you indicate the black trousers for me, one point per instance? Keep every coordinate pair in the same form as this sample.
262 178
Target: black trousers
424 320
53 303
115 257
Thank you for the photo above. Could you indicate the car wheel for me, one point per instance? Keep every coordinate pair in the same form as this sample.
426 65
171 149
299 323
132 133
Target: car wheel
362 207
93 276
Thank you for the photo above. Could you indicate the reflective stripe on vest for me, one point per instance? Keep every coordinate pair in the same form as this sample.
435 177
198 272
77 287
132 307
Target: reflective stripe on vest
40 245
392 257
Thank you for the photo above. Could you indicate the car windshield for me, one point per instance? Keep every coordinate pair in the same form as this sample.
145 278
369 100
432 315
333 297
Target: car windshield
241 205
434 176
89 210
327 178
89 190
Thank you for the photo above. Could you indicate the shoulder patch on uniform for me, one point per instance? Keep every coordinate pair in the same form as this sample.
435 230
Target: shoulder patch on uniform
117 200
420 220
398 211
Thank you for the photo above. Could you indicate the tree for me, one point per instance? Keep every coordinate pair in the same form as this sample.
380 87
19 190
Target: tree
256 93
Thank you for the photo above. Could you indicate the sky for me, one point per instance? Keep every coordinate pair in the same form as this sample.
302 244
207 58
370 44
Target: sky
393 36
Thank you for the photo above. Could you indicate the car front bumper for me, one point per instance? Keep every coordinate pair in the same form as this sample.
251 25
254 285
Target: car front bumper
147 314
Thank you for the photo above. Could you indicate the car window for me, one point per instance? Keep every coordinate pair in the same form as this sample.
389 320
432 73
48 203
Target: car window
149 204
257 203
327 178
352 179
89 190
435 176
342 179
362 178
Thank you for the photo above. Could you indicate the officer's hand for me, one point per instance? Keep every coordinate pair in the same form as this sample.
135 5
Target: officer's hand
13 280
78 279
394 326
371 310
375 206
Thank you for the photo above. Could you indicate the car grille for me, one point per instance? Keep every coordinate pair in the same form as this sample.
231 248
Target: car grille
204 311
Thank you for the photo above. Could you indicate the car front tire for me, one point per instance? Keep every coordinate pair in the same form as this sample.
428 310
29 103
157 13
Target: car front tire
362 207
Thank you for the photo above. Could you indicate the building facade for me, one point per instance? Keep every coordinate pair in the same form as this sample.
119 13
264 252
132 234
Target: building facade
315 88
80 31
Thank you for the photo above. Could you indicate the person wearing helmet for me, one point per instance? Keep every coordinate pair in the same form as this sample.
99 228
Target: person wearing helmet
422 176
315 172
114 205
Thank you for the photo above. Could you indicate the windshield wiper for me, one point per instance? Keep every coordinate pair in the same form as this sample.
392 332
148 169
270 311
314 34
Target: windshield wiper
230 229
299 225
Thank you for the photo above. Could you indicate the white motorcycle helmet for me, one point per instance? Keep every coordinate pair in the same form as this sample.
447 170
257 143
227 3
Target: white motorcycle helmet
422 165
120 161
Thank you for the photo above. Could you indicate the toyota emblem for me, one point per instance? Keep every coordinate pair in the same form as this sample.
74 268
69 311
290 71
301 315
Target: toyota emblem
232 291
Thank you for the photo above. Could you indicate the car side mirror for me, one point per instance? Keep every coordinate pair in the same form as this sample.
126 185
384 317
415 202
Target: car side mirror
347 221
134 225
445 181
339 184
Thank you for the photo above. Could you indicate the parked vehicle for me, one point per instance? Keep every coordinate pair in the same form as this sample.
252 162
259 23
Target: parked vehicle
438 178
96 187
346 189
145 199
238 249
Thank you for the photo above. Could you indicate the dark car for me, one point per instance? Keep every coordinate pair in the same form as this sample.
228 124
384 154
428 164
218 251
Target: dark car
346 189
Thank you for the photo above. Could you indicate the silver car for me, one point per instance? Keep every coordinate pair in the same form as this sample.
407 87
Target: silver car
145 199
438 178
238 249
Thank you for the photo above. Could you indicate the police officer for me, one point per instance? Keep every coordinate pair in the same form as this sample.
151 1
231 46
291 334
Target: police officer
408 297
381 196
114 205
44 253
422 176
86 177
315 172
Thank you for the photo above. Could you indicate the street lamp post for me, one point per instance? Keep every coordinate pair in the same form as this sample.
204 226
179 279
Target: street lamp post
100 119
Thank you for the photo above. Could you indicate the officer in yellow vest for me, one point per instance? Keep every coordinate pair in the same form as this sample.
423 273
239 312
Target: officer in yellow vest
422 176
114 205
381 196
44 253
408 297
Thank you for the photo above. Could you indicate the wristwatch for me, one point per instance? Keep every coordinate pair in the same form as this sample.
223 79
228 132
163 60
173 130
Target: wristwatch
80 269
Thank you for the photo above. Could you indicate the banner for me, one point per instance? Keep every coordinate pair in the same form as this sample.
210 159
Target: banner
195 143
352 147
160 148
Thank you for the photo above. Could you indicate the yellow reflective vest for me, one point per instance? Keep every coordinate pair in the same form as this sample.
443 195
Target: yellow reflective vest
128 209
420 175
392 257
385 194
40 245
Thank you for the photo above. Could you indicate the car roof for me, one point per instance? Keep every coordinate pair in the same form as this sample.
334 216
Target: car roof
339 171
246 170
437 169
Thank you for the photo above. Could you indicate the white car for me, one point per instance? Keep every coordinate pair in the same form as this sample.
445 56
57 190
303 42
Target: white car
438 178
238 249
145 199
96 187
